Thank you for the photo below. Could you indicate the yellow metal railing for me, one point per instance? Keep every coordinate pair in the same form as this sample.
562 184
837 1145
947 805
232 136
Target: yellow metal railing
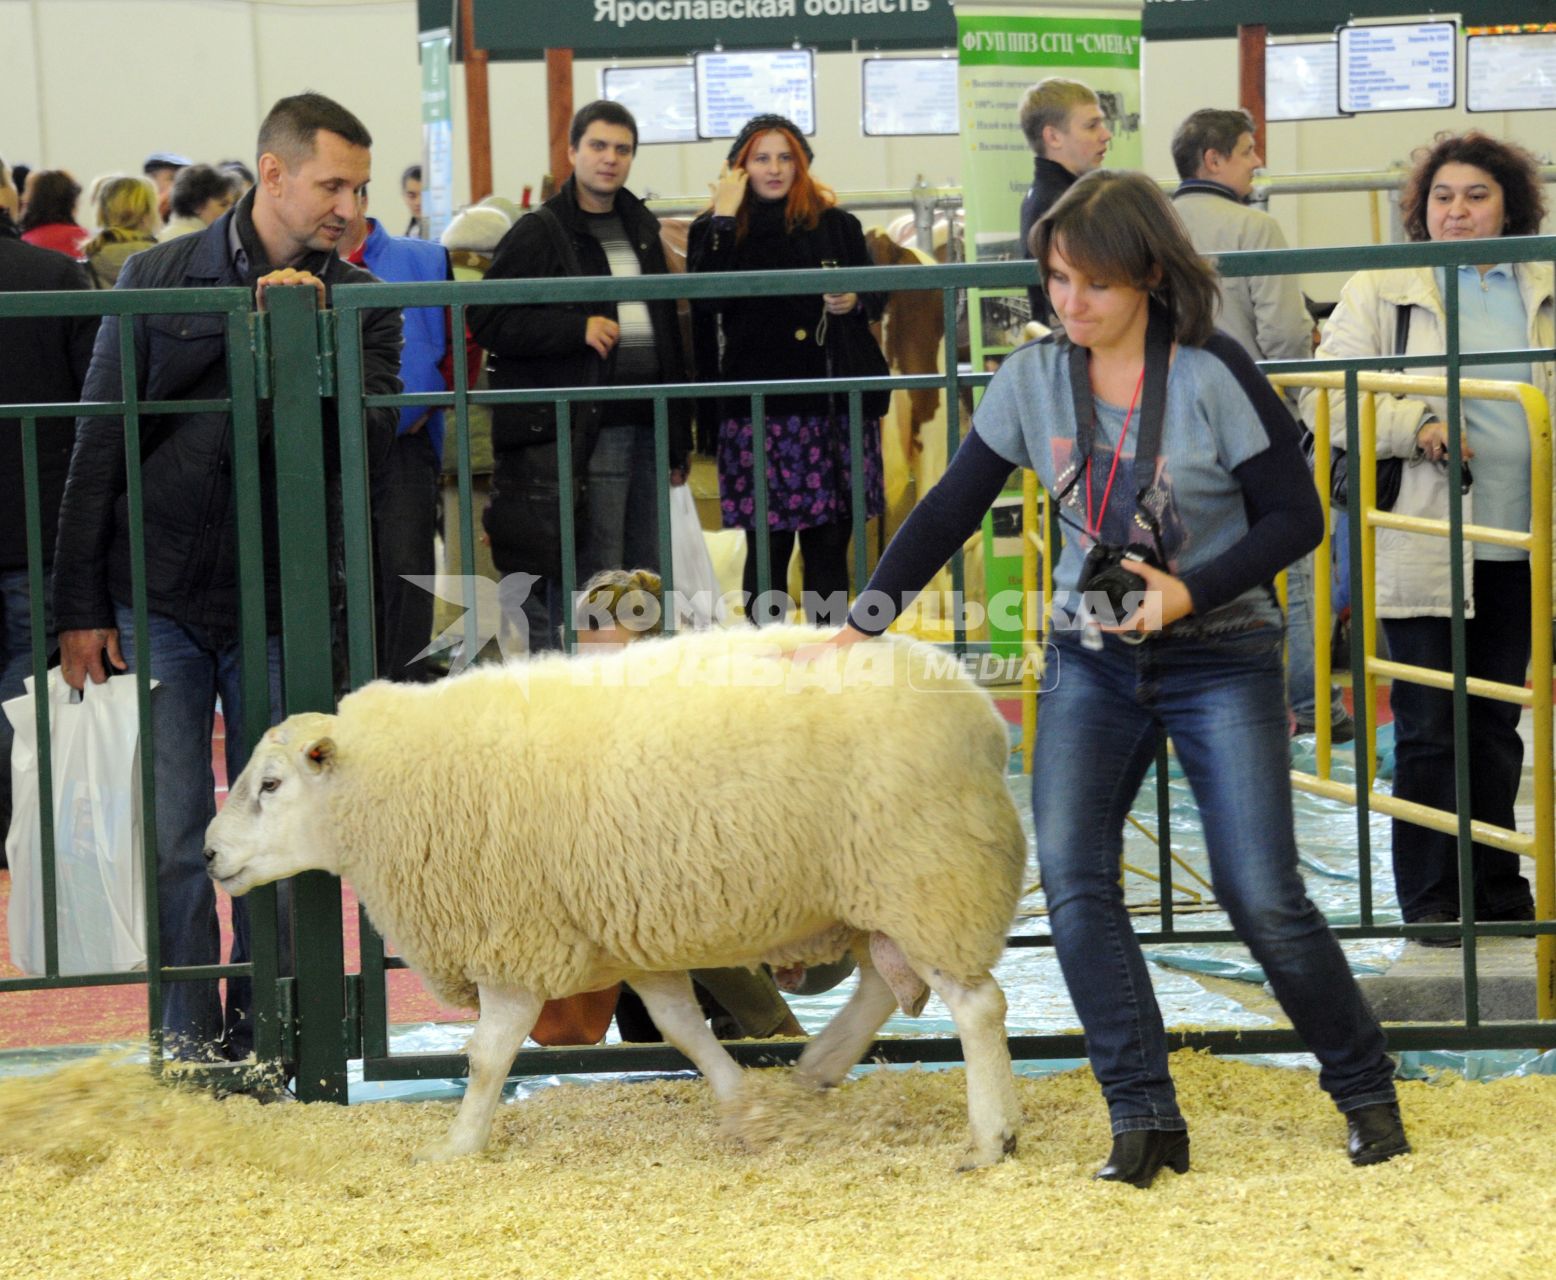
1539 843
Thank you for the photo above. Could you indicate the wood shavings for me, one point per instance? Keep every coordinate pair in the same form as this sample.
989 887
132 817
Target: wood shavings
103 1172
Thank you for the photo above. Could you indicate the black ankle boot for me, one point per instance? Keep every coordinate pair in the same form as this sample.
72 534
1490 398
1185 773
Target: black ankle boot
1139 1154
1376 1133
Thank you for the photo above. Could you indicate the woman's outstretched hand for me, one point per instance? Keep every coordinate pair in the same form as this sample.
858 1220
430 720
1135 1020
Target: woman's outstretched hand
729 191
848 635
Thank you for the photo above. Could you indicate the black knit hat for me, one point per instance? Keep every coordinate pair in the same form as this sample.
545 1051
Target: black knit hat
761 124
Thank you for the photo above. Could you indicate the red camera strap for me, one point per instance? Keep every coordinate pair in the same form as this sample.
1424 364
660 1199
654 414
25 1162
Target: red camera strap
1094 527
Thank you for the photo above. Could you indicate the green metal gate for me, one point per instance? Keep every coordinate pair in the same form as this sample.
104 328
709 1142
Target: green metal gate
294 358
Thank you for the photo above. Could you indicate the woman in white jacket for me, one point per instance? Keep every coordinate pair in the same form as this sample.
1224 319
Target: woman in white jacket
1465 187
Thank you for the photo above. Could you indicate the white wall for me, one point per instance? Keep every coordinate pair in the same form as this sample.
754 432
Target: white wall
93 85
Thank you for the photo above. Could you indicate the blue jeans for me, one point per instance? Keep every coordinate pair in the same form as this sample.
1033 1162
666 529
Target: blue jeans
1221 701
17 658
1496 647
195 666
1300 648
623 524
620 528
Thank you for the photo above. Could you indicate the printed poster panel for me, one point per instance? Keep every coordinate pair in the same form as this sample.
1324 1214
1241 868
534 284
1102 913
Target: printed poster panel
437 135
1000 55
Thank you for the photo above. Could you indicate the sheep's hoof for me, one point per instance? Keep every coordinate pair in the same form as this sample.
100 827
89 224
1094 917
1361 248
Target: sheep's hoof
444 1149
982 1154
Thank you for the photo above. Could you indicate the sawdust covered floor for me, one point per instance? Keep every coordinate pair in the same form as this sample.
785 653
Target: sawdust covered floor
105 1174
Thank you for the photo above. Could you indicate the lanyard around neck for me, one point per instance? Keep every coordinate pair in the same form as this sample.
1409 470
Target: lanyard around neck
1152 395
1094 527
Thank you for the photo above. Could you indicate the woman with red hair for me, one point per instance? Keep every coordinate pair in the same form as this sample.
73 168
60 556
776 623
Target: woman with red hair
770 214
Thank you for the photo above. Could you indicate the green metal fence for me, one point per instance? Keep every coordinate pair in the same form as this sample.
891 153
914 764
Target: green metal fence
294 357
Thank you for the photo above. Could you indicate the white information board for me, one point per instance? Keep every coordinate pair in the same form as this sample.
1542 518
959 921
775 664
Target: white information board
1400 66
1510 73
663 100
733 87
909 96
1301 81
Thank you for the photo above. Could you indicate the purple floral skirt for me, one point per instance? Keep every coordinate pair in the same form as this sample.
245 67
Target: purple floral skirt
809 477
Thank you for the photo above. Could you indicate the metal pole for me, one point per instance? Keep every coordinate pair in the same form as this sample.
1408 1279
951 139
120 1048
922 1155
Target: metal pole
307 673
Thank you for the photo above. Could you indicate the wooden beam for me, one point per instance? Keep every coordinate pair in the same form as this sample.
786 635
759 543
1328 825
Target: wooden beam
1250 79
478 105
559 110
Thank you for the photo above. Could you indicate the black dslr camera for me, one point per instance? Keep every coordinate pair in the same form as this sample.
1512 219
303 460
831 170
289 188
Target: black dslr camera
1106 571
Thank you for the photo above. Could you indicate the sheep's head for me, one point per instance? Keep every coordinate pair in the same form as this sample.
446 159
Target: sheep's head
274 823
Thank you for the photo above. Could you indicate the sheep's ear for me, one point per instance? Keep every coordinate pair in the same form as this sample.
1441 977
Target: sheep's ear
320 754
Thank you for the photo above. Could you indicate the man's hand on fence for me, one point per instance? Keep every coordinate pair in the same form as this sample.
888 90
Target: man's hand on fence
81 655
287 275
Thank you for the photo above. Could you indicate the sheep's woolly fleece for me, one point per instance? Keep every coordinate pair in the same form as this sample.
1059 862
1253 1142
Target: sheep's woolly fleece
689 802
103 1173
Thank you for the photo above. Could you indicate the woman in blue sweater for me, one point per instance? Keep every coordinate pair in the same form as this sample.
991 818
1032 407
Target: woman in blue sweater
1218 496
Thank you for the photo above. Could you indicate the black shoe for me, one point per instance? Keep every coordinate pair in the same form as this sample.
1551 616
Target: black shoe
1438 917
1376 1133
1139 1154
1342 729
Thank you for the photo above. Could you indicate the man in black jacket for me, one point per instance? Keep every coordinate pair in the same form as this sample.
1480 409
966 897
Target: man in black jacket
593 226
1063 123
313 164
42 360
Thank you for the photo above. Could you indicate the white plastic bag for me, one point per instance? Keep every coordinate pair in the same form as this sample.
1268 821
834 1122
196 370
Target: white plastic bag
99 886
698 602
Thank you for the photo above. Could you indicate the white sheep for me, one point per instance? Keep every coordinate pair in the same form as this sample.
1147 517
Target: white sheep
549 827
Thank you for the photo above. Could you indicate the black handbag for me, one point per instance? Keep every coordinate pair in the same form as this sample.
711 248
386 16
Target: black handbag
1391 471
852 352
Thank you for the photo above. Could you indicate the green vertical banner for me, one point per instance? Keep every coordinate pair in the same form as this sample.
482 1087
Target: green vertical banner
1001 54
437 133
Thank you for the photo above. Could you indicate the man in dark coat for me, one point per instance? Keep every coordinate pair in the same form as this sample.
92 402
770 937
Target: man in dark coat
42 360
313 164
1064 125
593 226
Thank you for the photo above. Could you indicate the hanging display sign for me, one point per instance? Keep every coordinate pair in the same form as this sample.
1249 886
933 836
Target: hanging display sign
1206 19
437 135
1302 80
663 100
1514 72
907 96
1399 66
733 87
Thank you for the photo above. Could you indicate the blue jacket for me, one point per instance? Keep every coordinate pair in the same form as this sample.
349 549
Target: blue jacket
403 259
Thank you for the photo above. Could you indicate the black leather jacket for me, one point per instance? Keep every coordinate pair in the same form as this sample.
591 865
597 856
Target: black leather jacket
42 360
190 528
